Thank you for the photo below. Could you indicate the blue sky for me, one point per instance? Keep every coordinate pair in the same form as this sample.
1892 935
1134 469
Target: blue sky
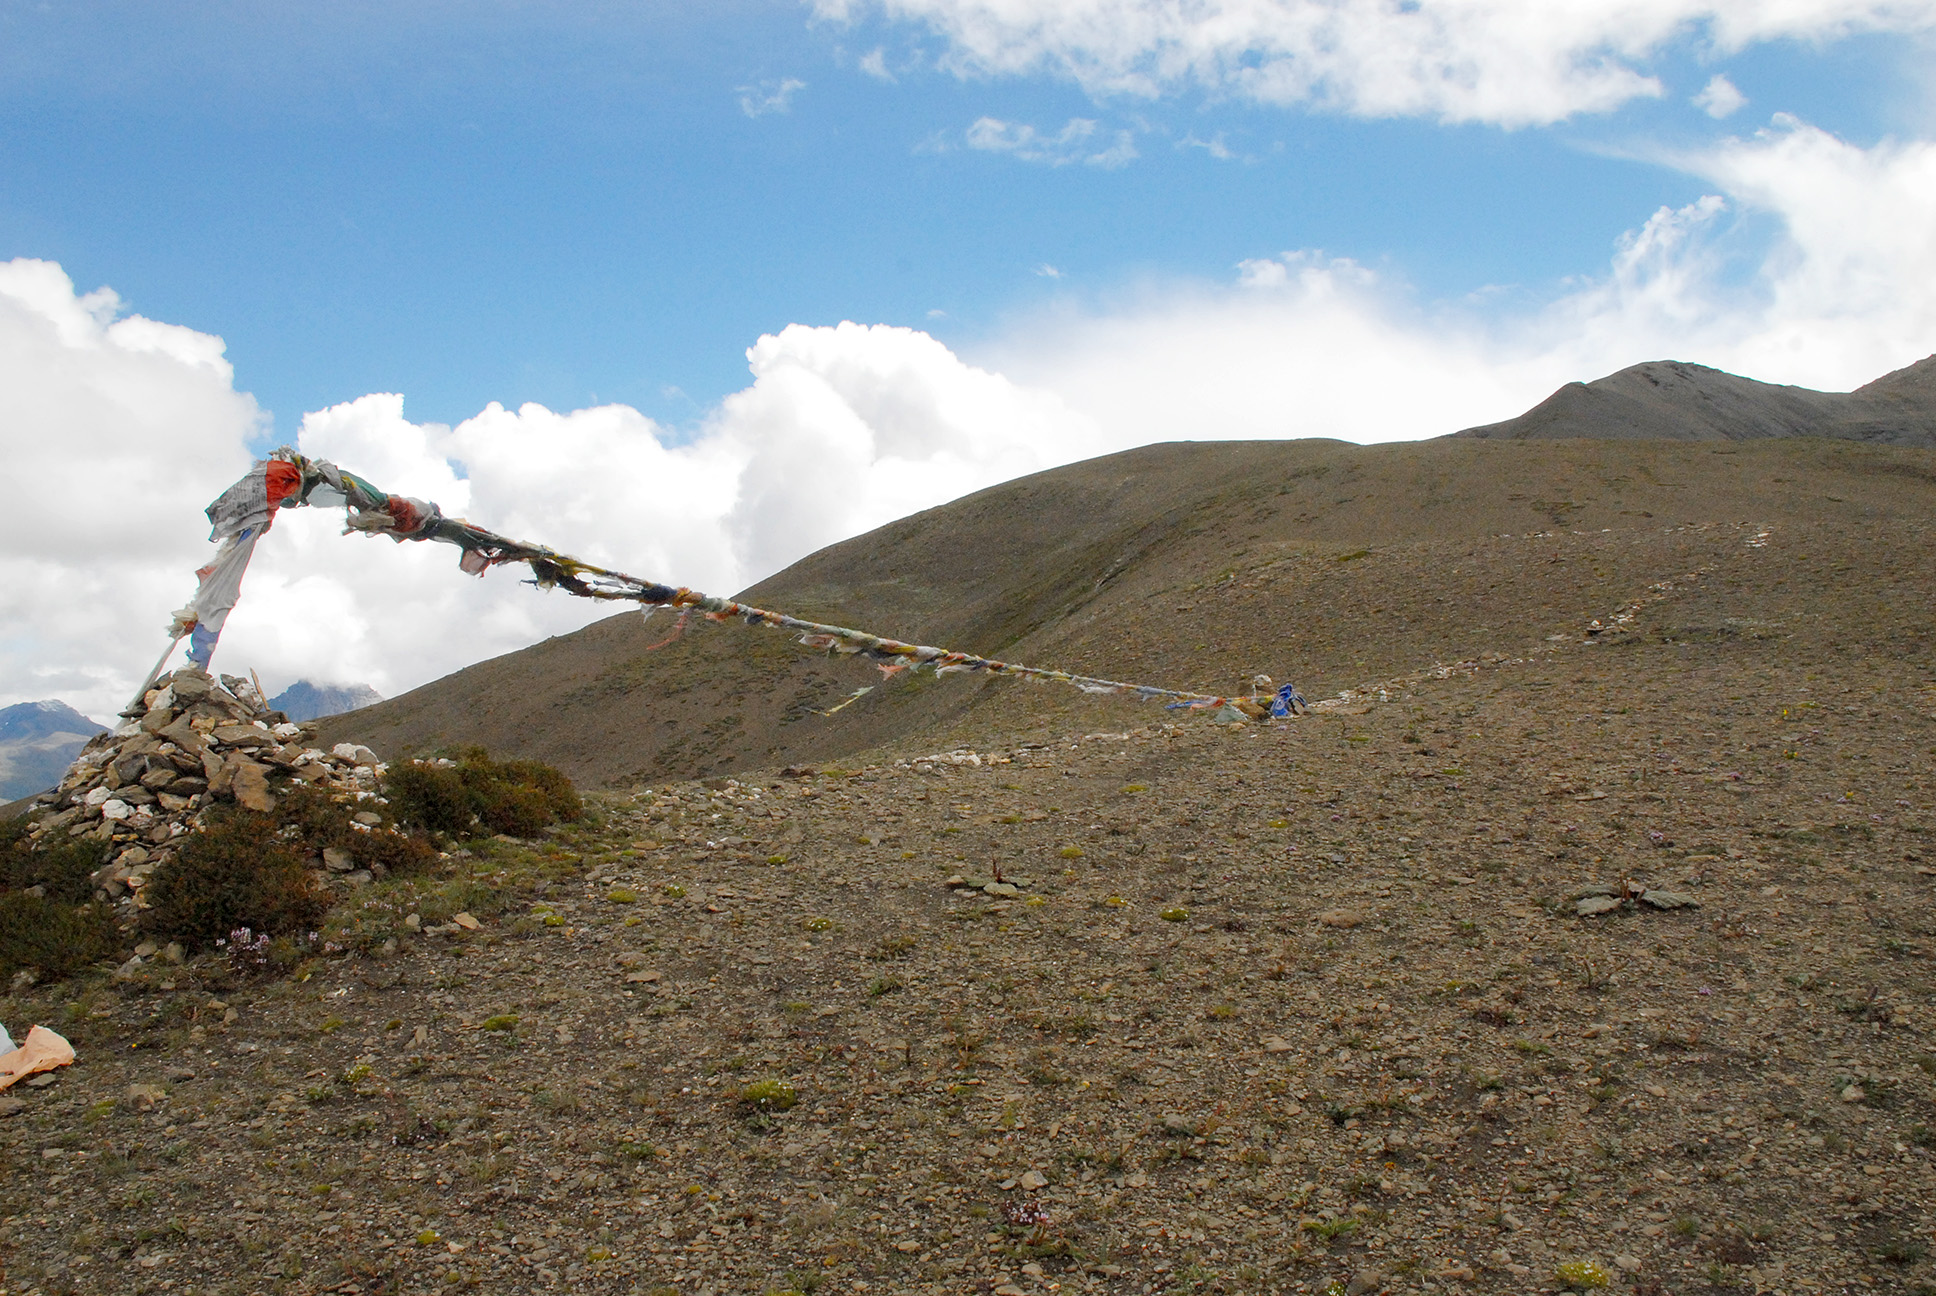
697 289
570 204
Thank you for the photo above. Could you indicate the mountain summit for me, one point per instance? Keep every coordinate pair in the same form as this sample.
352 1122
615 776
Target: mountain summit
306 700
1668 400
38 740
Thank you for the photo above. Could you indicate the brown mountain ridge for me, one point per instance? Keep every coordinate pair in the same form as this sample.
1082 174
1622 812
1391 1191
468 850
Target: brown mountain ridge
1196 564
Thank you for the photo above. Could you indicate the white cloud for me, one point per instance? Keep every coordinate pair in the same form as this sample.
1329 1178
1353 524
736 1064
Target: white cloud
874 64
126 427
769 96
1308 345
1214 146
108 428
1075 142
1720 98
1507 62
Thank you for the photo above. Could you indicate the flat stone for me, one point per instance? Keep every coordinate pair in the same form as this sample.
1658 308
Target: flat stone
1669 900
337 860
190 685
1340 918
250 783
243 735
1593 906
1276 1044
1034 1181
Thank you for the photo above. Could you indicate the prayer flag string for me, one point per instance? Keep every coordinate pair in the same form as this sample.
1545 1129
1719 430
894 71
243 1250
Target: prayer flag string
244 513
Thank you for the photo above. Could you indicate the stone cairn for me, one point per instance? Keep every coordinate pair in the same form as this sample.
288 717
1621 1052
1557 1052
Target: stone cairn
189 743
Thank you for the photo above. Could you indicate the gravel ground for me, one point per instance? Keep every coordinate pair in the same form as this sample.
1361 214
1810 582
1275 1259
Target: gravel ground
1290 1007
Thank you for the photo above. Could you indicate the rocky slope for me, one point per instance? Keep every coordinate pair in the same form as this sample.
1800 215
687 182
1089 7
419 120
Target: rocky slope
1293 1008
1187 565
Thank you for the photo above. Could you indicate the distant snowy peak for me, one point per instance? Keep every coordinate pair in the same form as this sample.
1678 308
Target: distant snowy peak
30 720
305 700
38 741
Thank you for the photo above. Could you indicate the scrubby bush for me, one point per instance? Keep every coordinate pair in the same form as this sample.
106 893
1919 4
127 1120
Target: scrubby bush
235 871
518 798
57 938
60 868
321 821
46 920
432 797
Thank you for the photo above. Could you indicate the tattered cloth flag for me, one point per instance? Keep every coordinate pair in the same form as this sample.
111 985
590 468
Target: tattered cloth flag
289 480
238 518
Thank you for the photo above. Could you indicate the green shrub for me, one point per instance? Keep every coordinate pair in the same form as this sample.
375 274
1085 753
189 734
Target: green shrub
402 853
518 798
430 797
560 796
325 822
236 871
57 938
513 809
60 867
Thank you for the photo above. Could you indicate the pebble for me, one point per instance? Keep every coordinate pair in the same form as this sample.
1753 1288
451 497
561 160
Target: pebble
1364 1281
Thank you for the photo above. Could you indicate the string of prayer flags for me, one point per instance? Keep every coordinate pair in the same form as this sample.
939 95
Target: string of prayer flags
244 513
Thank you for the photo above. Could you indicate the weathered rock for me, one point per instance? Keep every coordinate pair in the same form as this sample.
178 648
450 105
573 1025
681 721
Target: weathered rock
1594 905
241 735
1669 900
251 787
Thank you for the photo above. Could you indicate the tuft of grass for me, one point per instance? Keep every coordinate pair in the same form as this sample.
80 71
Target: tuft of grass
501 1022
770 1095
1581 1275
1174 914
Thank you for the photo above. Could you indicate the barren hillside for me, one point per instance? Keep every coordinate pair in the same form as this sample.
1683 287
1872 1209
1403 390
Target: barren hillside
1188 565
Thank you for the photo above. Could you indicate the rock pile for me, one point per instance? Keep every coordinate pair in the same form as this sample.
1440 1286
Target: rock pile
191 742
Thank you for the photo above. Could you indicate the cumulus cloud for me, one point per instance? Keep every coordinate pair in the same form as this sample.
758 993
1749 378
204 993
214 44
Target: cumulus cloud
126 427
1077 141
108 427
1505 62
